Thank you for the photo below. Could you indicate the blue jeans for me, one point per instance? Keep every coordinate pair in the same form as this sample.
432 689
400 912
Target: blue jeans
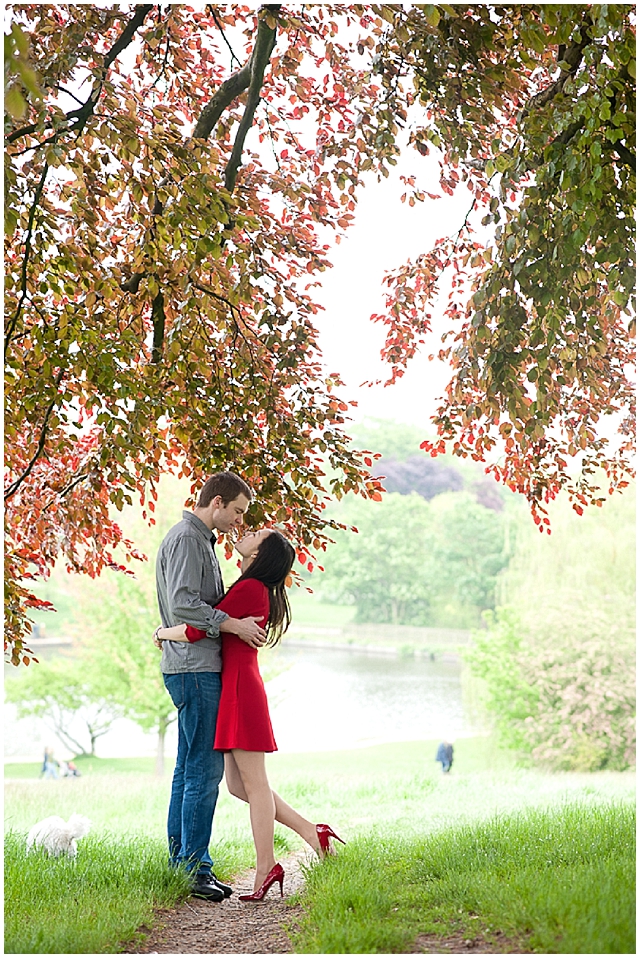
198 771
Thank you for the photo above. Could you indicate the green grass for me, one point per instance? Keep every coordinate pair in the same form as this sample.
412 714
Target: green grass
557 881
471 755
87 765
130 806
308 609
87 905
385 800
396 785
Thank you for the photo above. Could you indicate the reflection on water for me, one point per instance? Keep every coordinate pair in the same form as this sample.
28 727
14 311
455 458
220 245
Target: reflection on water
322 699
331 699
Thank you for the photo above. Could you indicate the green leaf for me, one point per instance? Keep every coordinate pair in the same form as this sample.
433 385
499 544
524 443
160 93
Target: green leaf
431 14
30 80
14 103
10 221
20 39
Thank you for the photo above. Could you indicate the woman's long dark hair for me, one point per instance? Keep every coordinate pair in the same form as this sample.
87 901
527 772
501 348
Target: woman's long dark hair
272 564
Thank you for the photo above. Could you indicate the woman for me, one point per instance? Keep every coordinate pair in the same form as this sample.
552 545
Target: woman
244 730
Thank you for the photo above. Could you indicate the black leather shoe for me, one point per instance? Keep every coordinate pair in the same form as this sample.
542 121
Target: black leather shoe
205 887
227 889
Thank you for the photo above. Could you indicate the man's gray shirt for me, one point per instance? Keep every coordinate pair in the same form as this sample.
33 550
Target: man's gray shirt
189 585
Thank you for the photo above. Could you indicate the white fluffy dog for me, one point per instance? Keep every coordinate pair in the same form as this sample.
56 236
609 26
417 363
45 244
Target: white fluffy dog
58 837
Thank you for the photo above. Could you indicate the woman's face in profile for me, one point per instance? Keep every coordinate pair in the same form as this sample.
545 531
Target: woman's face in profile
248 545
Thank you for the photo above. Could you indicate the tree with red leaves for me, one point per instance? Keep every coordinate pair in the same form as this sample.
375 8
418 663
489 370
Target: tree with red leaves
159 270
532 107
168 173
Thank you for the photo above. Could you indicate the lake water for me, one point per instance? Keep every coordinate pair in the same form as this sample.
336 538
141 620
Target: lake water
332 699
321 699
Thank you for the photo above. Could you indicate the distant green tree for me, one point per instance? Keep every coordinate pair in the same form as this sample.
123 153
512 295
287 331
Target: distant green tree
385 568
589 560
64 693
420 474
393 440
406 468
558 666
508 696
415 562
121 657
562 693
469 551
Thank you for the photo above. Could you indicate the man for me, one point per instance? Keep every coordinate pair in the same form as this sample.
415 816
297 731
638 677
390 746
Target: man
444 755
189 585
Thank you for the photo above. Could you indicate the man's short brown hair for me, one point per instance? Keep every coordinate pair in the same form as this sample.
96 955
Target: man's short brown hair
226 485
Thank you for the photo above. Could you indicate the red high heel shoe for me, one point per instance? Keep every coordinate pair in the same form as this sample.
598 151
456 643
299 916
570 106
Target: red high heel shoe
275 875
325 834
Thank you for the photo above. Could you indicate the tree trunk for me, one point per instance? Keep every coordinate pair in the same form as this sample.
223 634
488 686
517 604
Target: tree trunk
162 731
76 747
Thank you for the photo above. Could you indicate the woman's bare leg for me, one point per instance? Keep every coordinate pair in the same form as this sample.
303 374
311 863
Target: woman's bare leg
262 809
293 820
233 779
285 814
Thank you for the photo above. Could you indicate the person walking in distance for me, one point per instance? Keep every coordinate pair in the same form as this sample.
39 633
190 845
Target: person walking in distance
189 586
444 755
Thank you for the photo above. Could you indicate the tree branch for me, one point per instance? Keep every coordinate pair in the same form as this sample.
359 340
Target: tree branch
562 139
67 489
165 59
236 84
573 58
59 723
158 318
214 15
82 113
265 42
27 253
251 75
626 155
13 488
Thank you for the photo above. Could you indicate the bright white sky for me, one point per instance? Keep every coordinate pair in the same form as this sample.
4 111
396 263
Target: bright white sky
386 233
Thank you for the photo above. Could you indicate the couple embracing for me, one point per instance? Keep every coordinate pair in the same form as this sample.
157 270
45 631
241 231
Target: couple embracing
210 645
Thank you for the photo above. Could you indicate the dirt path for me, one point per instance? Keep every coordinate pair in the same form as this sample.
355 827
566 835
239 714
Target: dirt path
459 945
236 928
231 927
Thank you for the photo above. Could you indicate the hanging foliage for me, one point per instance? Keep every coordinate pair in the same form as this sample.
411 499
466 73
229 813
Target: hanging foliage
171 178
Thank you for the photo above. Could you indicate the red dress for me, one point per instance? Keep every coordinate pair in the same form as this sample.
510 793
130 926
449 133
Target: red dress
243 716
